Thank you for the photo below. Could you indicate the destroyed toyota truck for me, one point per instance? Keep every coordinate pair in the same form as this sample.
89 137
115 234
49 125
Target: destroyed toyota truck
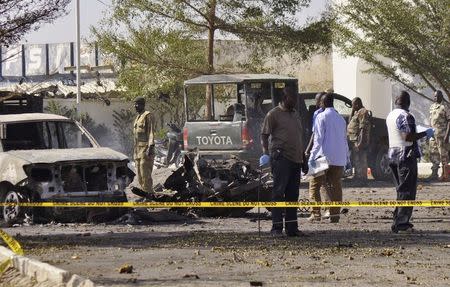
50 158
239 103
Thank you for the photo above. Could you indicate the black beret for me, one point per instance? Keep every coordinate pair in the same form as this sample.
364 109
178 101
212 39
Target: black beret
139 100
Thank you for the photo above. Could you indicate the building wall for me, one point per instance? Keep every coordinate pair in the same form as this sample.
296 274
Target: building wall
351 79
314 74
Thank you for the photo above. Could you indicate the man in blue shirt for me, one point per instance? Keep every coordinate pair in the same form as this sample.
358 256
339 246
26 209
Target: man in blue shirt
403 154
330 141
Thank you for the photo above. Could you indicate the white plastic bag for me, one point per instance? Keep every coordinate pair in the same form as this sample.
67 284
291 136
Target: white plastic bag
317 167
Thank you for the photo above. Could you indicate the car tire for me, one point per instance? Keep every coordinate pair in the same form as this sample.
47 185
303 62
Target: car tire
14 214
380 165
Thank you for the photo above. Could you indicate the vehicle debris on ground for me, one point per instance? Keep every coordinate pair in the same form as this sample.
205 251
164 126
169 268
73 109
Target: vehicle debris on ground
214 181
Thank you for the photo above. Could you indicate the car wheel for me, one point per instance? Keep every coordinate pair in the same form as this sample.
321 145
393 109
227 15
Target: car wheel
380 167
14 213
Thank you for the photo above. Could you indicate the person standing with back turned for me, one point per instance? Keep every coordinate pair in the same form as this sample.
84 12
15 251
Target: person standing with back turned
318 183
330 140
283 125
403 154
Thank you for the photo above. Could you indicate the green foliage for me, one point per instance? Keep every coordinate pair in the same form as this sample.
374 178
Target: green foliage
161 133
100 132
154 63
269 23
160 43
414 34
123 129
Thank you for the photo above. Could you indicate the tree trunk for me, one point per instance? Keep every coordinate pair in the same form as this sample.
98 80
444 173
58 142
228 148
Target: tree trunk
211 30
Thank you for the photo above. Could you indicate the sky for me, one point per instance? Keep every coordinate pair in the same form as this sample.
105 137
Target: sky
92 11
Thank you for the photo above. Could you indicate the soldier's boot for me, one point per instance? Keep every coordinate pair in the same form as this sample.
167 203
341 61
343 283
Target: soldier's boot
434 174
445 171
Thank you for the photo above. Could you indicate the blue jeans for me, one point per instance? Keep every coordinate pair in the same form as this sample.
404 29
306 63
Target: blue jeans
286 185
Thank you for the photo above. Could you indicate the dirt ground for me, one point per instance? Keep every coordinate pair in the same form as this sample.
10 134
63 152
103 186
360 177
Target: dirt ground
358 251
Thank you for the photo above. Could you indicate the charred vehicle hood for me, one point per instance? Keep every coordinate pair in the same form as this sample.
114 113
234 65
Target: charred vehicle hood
67 155
12 163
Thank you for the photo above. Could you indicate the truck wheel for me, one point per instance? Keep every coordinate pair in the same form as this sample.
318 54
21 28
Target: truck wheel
14 214
380 167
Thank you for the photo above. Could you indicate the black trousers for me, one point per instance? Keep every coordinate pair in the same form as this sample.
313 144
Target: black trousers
405 179
286 184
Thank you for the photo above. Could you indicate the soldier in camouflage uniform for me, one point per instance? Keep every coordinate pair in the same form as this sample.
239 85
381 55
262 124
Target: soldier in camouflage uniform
439 145
358 132
144 145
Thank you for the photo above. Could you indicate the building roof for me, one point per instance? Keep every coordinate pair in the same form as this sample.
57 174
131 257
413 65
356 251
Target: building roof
234 78
31 117
64 89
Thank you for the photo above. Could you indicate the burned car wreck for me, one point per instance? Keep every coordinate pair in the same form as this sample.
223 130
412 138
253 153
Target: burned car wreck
46 157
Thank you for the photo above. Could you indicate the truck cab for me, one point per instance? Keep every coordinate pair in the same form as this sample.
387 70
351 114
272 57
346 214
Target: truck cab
239 103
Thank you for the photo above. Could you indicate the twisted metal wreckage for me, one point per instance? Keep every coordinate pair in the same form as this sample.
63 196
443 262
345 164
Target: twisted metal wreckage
202 180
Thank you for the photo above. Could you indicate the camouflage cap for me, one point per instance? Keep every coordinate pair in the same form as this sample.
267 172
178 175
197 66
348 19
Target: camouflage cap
139 100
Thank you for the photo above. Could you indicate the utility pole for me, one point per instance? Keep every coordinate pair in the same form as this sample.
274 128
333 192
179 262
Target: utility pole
78 69
78 59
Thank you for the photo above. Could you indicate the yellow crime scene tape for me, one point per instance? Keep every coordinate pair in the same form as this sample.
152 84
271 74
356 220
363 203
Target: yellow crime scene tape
247 204
16 248
14 245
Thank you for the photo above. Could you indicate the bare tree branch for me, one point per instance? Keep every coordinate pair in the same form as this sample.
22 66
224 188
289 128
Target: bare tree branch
20 16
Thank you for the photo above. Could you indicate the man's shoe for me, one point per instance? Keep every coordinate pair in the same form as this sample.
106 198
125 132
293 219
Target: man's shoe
394 229
276 233
138 191
326 215
334 219
314 218
296 233
404 229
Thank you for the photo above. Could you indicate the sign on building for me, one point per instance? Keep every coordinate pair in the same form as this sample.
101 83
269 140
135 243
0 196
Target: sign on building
44 59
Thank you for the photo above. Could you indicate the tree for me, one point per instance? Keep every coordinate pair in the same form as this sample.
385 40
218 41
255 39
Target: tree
270 24
414 34
17 17
154 63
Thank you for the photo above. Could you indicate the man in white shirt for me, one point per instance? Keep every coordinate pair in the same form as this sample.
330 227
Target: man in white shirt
403 154
330 140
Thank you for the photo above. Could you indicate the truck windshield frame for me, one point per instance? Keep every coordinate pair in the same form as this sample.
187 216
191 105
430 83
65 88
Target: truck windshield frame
245 92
